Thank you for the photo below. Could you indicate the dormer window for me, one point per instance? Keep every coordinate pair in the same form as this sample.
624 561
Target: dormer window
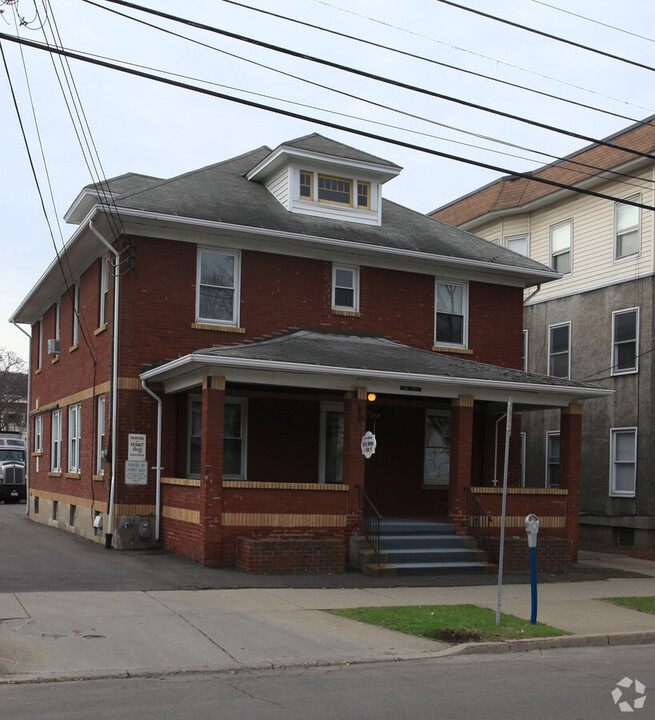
334 190
364 195
306 185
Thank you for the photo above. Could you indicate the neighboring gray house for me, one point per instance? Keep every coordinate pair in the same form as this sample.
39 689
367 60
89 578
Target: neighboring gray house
595 323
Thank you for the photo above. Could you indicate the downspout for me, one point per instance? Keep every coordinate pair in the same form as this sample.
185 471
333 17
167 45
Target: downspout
114 385
158 400
27 420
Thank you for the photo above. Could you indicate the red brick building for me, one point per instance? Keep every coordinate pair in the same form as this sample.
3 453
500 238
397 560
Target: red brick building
205 350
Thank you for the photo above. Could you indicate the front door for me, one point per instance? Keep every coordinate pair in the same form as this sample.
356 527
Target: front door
331 443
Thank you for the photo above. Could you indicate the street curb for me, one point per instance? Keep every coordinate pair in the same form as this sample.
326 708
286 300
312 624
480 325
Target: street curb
483 648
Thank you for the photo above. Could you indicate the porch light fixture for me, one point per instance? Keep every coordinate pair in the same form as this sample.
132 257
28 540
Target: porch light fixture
371 397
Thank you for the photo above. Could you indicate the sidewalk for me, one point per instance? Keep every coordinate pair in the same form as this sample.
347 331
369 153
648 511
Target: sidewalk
66 635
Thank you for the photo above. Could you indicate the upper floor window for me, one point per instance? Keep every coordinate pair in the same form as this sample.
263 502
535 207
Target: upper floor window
364 195
625 341
561 236
451 313
217 295
74 437
626 231
39 354
76 314
524 365
345 288
306 185
38 434
559 350
100 453
518 244
333 190
104 291
55 432
57 320
623 461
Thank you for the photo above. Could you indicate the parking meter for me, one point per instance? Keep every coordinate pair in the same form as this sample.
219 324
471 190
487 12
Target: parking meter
531 530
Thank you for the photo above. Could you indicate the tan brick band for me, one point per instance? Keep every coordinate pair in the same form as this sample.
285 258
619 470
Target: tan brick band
518 521
282 520
124 383
247 485
182 514
518 491
188 482
99 505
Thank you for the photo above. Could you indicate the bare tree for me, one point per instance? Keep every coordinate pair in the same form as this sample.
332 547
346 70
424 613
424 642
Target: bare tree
13 391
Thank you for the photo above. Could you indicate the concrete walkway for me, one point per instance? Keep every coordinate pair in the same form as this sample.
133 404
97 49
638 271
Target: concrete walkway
65 635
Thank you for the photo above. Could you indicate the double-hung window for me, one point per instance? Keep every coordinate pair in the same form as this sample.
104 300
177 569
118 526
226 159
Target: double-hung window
518 244
561 239
623 461
552 460
100 436
76 315
39 356
625 341
217 298
627 222
451 313
345 288
338 191
104 290
55 433
58 321
38 434
74 437
559 350
234 437
524 364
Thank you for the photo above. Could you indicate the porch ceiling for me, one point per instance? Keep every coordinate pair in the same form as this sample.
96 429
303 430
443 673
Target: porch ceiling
345 362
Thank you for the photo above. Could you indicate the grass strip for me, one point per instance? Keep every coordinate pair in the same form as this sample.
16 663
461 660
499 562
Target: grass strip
450 623
643 604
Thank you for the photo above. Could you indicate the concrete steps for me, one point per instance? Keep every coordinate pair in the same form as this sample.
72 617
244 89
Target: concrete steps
413 547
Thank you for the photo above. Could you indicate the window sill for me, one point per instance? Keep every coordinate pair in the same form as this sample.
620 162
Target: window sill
450 349
55 359
346 313
55 473
620 373
99 478
73 475
73 348
38 371
218 328
100 330
38 453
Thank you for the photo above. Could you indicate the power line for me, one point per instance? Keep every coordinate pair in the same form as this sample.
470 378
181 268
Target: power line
319 121
432 61
546 35
569 161
379 78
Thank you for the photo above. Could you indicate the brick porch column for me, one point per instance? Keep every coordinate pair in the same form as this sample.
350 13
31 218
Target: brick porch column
354 427
461 445
211 470
570 440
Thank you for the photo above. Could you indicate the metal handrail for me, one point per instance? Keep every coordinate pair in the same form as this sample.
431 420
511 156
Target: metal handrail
478 520
371 519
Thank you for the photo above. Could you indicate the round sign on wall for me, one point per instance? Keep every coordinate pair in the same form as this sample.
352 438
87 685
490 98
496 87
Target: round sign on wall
369 443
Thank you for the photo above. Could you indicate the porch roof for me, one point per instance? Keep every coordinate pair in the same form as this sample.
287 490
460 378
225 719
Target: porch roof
334 361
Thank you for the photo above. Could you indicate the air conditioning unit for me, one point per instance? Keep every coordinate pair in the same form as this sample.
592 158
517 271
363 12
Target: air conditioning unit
53 346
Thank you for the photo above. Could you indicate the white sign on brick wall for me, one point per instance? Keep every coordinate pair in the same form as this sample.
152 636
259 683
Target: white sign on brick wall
136 447
136 472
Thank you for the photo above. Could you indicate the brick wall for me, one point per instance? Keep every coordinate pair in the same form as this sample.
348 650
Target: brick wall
554 554
290 555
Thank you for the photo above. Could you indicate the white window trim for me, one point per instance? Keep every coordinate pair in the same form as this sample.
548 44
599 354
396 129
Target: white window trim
104 290
526 338
549 434
74 437
76 314
553 255
550 328
438 482
100 431
617 257
58 320
237 286
56 440
465 312
38 434
612 491
355 272
40 354
520 236
629 371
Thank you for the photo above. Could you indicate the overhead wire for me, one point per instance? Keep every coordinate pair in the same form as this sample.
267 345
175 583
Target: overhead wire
374 76
568 160
325 123
548 35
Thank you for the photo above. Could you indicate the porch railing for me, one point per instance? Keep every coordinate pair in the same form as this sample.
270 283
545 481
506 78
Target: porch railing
478 520
371 520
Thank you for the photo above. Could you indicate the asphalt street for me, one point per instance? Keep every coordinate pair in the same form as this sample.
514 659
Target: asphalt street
573 683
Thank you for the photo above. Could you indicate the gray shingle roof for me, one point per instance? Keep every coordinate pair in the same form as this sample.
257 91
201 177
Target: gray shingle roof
221 193
378 354
320 144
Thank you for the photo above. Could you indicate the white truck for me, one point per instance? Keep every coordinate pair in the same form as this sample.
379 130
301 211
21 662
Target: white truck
13 458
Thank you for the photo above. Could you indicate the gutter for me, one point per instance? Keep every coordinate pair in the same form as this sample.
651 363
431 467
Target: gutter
27 419
158 400
114 389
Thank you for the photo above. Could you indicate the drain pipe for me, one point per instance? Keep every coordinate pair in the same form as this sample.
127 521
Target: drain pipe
27 419
158 400
114 384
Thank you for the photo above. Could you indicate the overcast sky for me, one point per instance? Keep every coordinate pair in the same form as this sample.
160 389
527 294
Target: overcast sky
142 126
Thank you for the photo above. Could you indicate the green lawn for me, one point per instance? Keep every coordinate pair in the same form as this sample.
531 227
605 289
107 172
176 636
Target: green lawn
645 604
450 623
